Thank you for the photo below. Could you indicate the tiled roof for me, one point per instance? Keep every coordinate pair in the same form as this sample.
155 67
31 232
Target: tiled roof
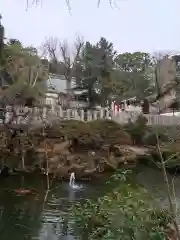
57 83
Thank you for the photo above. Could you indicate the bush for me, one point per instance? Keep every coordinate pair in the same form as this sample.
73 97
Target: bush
137 130
111 132
125 213
94 134
170 153
150 137
147 160
88 134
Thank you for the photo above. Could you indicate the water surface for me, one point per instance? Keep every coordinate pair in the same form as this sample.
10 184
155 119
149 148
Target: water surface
28 217
153 180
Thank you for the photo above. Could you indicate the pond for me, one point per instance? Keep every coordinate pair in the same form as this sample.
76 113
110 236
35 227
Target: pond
27 217
153 180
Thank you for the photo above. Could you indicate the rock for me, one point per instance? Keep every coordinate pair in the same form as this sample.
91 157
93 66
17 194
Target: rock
121 159
54 159
42 150
71 158
109 166
62 171
89 164
92 148
89 172
171 232
60 148
77 168
131 159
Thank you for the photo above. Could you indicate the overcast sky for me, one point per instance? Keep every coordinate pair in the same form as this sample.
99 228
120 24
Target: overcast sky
138 25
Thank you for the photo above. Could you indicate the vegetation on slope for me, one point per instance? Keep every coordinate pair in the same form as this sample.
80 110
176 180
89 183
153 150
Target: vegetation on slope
126 212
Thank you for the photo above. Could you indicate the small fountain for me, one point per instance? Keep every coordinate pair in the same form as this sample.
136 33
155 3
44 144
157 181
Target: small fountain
72 180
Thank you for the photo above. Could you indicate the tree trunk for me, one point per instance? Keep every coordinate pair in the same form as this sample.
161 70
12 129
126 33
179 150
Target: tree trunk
69 92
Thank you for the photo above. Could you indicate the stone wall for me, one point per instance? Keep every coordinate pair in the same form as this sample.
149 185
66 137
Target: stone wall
55 113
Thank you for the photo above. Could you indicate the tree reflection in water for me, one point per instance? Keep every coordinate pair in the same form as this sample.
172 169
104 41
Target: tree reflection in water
25 217
20 215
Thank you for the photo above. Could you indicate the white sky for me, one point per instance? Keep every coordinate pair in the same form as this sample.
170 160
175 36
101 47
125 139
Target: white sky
138 25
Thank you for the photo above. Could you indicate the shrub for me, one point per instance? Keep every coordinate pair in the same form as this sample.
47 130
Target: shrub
150 137
147 160
111 132
124 213
94 134
171 154
137 130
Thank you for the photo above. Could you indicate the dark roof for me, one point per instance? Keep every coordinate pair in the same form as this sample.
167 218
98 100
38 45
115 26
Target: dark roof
58 83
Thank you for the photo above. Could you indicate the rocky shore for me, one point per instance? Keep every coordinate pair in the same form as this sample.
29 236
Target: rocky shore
88 149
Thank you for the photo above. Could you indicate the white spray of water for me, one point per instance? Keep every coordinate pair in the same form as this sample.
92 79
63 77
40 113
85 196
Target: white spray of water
72 180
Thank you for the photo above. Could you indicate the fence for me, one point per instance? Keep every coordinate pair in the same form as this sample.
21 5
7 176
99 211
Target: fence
152 119
57 113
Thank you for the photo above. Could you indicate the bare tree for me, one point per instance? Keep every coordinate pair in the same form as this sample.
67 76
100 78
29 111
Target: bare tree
29 3
64 58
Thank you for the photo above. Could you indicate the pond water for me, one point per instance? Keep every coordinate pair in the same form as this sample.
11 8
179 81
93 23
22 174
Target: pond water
27 217
152 179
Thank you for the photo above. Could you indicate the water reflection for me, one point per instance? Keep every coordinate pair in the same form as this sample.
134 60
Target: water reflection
25 218
153 180
71 194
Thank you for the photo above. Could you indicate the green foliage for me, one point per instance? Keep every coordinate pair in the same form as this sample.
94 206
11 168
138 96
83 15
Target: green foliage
104 73
88 135
137 129
135 72
171 156
124 213
96 63
111 132
22 69
91 134
151 136
72 127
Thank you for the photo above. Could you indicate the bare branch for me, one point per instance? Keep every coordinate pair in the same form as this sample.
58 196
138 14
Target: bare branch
172 208
50 47
65 53
62 58
78 47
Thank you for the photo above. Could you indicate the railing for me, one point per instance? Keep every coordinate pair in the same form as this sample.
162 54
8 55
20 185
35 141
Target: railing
55 113
152 119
